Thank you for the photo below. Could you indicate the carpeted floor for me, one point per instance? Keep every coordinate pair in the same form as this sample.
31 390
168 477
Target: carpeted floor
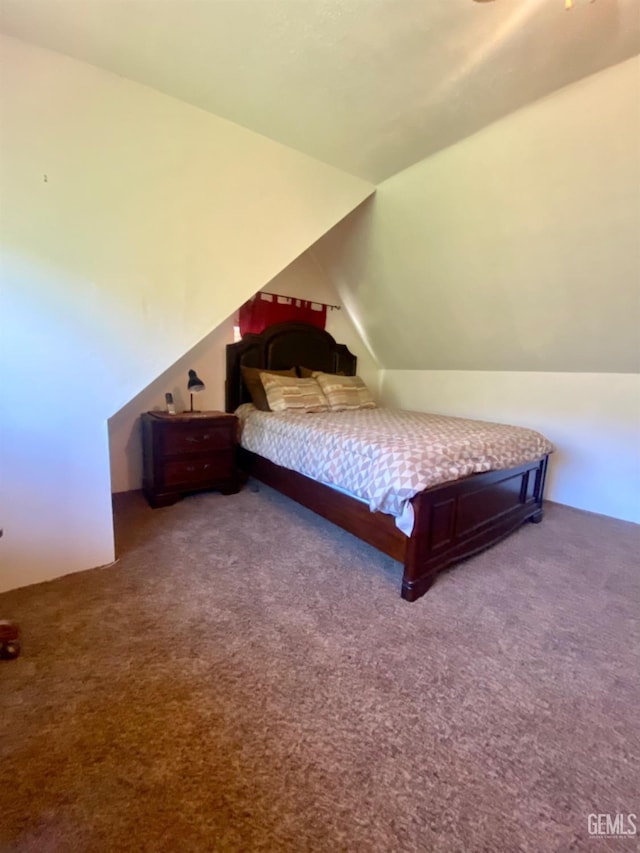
247 678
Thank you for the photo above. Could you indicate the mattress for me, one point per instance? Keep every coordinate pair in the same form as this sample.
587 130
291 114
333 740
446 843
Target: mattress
385 456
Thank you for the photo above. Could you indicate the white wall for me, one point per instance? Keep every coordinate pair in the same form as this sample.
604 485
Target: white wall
515 249
303 279
130 225
500 279
593 420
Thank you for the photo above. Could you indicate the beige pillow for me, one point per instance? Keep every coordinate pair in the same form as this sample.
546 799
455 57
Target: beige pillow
251 376
345 393
301 395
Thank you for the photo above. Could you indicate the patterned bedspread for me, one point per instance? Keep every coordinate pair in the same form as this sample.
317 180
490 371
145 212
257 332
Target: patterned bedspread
386 456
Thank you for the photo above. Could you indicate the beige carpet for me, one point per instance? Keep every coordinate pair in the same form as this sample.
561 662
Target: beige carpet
247 678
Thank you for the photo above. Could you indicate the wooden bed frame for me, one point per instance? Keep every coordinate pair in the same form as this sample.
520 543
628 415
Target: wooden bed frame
452 521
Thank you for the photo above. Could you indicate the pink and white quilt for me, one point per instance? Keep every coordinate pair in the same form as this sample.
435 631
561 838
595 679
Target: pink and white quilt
386 456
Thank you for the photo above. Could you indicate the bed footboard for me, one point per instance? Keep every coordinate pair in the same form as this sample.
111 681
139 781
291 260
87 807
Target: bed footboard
454 522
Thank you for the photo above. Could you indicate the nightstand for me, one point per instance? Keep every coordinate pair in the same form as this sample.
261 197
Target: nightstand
189 452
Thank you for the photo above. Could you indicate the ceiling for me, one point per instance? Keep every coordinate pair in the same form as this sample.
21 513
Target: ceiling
369 86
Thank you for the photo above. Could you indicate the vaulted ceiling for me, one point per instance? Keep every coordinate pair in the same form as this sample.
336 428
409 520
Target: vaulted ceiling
369 86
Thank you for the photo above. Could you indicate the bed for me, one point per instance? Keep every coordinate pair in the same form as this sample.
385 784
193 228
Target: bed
451 522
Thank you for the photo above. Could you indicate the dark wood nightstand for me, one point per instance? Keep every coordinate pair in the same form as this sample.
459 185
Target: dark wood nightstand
189 452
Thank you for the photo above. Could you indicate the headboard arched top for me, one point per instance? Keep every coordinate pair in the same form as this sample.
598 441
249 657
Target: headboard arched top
280 347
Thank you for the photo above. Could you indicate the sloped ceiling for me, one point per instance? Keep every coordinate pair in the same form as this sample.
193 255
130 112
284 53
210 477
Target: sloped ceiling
369 86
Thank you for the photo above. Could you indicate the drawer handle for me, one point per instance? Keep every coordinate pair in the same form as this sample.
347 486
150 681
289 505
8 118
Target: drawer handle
193 467
192 439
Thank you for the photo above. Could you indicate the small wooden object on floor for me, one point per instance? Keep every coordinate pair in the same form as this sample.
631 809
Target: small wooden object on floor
9 642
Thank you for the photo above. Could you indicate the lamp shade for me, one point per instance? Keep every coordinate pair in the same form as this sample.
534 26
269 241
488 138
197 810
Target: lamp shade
195 384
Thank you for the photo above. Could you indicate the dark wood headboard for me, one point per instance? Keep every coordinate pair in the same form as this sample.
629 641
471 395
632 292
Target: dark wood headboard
280 347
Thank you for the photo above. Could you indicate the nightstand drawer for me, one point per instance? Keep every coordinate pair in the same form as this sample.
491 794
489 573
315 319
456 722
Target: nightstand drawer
218 466
178 439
